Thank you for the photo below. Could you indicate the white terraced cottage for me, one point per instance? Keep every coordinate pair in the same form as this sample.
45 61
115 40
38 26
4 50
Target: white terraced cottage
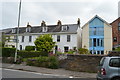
66 36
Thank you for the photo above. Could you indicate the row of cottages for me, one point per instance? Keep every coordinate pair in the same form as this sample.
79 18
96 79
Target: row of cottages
98 36
65 36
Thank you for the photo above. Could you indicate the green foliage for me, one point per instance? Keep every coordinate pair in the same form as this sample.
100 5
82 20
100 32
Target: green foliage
3 39
30 48
53 62
8 52
71 51
0 44
29 54
83 51
58 53
44 43
117 49
48 62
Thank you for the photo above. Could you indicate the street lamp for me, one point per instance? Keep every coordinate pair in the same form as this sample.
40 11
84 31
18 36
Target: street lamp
17 32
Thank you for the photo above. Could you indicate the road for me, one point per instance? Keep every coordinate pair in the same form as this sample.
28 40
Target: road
10 73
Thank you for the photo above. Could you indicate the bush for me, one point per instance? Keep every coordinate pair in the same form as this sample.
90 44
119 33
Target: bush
48 62
53 63
8 52
71 51
30 48
117 49
58 53
27 54
83 51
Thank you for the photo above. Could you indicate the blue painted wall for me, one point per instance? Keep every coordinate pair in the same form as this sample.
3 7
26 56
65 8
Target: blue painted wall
96 35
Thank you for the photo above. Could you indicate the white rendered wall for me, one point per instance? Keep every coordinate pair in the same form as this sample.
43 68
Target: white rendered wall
63 41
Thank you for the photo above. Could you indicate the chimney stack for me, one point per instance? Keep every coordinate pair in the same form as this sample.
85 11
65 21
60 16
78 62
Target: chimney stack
28 25
78 22
43 24
59 23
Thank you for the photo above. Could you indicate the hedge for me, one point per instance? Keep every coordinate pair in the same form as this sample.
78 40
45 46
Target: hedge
30 48
8 52
29 54
48 62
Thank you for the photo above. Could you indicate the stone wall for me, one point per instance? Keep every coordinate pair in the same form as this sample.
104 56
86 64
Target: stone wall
84 63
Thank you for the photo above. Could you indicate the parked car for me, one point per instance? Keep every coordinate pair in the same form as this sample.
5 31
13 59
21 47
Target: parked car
109 68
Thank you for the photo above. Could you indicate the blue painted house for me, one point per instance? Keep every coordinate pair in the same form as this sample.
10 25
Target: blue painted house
97 36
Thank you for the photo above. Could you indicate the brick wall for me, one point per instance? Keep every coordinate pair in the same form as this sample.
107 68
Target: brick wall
115 31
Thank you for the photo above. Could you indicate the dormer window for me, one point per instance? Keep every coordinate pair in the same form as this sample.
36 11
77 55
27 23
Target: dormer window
44 29
28 29
64 28
13 30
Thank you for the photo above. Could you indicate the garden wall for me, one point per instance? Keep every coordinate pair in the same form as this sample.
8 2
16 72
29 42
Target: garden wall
85 63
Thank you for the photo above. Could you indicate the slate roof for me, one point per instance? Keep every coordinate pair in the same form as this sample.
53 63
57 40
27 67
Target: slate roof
72 28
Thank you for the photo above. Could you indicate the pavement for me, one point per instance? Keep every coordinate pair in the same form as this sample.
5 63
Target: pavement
61 72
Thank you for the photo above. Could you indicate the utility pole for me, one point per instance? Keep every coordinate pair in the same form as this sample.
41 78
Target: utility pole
17 41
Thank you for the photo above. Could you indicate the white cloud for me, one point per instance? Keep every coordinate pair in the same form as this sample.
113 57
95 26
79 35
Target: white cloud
67 11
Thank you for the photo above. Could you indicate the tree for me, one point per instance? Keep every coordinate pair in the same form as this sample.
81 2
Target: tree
44 43
2 39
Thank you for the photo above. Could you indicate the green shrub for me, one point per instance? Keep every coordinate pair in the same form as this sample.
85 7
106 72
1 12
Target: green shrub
83 51
70 51
53 62
29 54
58 53
117 49
30 48
48 62
8 52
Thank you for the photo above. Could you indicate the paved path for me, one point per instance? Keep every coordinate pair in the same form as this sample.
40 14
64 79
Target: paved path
61 72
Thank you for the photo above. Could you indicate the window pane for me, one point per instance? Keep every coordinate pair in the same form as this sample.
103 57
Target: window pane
90 42
115 62
30 38
115 39
102 62
68 38
97 42
22 38
58 38
94 42
119 28
66 49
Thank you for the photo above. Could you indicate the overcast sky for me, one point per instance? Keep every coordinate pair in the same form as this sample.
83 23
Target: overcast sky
68 11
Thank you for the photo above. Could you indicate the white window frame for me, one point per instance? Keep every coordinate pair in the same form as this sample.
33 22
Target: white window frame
13 30
64 28
28 29
44 29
